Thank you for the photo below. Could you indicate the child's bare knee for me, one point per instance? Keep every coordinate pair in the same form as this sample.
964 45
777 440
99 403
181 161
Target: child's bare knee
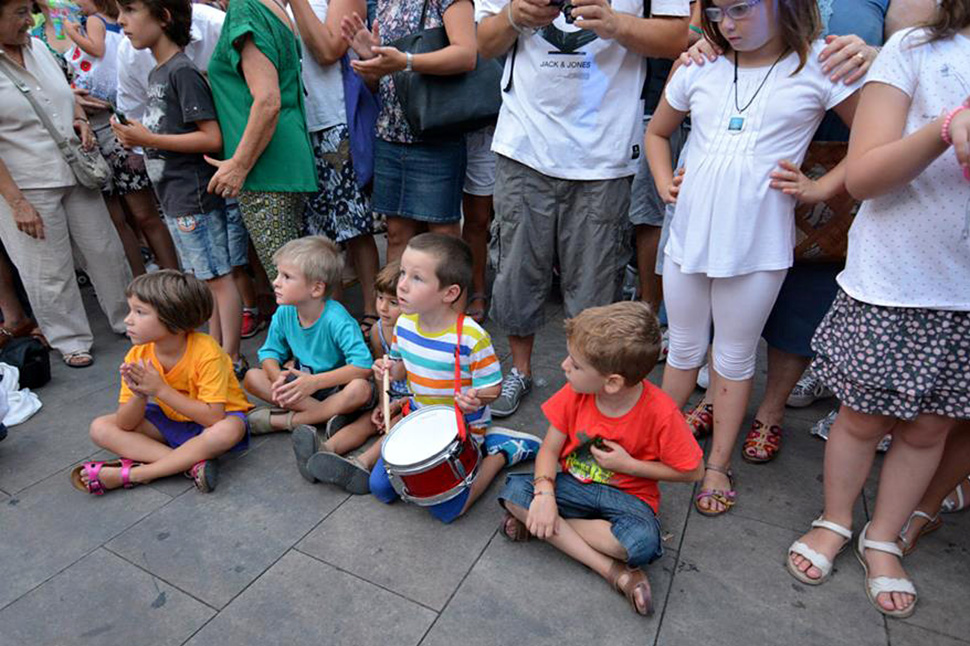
359 391
101 428
225 433
252 378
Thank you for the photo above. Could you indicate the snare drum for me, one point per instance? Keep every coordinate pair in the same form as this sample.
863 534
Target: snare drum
426 460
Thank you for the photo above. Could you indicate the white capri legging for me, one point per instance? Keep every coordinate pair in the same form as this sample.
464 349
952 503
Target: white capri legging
738 306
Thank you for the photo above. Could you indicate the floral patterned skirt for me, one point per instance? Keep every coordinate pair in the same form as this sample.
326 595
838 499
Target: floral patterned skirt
339 210
895 361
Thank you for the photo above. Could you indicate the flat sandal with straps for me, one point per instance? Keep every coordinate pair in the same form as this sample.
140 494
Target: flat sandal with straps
727 498
884 584
817 559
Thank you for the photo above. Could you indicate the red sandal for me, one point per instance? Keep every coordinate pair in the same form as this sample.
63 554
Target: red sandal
700 419
762 443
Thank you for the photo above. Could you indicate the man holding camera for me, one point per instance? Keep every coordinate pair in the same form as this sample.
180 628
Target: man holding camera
569 138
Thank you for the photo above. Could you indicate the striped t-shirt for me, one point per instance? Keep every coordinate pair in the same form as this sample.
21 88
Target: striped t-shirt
430 363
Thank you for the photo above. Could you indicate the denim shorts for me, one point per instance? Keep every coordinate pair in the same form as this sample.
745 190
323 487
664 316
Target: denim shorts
420 181
632 521
203 243
238 236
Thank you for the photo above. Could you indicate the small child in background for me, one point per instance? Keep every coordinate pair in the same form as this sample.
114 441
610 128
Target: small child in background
615 435
323 458
314 363
180 128
199 410
93 59
436 271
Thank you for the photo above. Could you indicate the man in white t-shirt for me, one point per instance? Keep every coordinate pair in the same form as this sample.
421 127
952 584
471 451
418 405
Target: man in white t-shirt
569 138
135 64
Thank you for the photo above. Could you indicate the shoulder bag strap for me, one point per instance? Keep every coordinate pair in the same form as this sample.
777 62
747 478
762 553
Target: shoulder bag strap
59 139
424 15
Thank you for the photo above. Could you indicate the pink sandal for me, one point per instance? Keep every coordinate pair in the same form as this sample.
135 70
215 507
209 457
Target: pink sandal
92 469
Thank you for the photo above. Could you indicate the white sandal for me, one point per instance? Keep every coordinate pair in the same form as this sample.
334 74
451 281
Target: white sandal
950 505
817 559
884 584
933 523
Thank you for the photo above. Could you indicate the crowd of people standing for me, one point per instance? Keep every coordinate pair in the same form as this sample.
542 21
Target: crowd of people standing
229 132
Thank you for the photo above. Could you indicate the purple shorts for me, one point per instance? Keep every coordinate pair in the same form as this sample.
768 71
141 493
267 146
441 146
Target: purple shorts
178 433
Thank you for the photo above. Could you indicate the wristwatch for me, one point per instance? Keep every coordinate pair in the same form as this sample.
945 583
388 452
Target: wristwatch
409 66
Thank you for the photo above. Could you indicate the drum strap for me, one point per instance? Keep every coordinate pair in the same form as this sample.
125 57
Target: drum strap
462 431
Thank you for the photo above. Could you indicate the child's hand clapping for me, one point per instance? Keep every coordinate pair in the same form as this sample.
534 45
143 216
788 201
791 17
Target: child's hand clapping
790 180
611 456
292 387
125 371
468 401
144 379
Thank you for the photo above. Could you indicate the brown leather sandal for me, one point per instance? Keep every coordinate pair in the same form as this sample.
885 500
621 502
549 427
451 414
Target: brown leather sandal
514 529
628 581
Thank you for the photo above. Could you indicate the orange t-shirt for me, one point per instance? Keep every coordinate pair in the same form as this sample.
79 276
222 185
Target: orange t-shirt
653 430
204 373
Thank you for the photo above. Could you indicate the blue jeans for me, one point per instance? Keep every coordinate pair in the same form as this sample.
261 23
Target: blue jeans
238 236
632 521
202 241
380 486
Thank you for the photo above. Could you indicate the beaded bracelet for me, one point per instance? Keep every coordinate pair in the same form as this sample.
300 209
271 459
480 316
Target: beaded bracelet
945 130
543 493
539 479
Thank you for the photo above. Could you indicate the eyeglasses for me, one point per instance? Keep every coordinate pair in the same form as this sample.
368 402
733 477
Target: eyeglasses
738 11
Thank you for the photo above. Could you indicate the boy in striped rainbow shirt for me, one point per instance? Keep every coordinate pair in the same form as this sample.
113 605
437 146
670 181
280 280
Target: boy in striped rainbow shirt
436 270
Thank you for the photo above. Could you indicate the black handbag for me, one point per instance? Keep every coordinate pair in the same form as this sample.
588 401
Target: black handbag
444 106
30 357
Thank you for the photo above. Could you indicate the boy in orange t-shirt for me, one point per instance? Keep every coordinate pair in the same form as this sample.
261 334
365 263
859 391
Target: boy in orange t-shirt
615 435
197 410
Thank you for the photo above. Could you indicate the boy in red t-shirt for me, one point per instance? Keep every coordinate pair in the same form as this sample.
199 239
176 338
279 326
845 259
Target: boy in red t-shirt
615 435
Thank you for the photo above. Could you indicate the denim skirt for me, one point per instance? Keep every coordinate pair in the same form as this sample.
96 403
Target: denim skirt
420 181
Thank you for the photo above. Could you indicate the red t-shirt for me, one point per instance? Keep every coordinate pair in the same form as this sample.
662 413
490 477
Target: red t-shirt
653 430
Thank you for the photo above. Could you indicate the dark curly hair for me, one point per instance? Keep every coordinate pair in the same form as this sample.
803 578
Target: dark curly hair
175 16
799 21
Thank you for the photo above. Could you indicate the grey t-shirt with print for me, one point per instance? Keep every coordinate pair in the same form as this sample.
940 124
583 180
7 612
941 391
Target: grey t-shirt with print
178 97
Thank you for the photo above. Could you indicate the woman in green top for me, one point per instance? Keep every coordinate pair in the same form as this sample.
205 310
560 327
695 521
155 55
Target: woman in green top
255 76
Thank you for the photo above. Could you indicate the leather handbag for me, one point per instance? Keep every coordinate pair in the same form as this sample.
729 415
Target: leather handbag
822 230
89 166
445 106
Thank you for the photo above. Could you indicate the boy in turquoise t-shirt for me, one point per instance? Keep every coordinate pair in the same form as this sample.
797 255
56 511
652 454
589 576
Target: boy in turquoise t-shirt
314 363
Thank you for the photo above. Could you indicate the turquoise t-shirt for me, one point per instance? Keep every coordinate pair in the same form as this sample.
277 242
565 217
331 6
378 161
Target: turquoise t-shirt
287 164
332 342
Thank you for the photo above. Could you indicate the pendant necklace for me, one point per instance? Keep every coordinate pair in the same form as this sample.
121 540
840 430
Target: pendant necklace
736 123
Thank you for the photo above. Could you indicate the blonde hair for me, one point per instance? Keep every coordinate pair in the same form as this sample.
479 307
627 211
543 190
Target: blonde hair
386 281
182 301
619 339
317 257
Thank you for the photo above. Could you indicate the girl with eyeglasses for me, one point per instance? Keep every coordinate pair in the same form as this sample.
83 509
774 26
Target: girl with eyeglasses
753 114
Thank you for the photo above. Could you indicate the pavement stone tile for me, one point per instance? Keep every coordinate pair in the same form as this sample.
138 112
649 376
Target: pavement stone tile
940 567
388 545
214 545
102 600
303 601
731 587
533 594
902 633
50 525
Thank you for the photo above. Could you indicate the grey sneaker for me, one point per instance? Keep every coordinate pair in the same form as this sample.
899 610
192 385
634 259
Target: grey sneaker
306 443
807 391
515 386
822 427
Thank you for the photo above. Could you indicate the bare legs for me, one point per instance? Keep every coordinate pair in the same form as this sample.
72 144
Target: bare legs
477 210
784 371
226 321
363 256
651 285
401 230
309 411
141 206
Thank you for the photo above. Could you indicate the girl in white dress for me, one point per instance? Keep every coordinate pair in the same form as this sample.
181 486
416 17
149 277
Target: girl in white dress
753 113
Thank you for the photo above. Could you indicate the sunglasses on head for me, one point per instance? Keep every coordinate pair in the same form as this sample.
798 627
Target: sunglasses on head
738 11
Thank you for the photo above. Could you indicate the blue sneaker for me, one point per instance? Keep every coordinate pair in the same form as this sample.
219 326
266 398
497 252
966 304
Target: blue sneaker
516 446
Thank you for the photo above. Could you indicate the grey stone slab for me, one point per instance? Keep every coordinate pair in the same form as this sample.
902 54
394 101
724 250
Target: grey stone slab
902 633
675 505
214 545
303 601
389 544
533 594
102 600
731 587
53 439
940 568
51 525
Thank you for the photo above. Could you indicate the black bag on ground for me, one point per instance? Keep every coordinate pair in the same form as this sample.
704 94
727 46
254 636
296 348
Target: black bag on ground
442 106
31 358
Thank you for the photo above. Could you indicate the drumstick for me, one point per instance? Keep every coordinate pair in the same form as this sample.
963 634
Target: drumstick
386 399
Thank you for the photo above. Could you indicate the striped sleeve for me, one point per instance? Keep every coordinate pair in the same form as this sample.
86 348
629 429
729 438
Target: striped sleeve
485 368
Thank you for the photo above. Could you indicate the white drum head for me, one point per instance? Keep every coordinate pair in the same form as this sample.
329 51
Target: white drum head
421 435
